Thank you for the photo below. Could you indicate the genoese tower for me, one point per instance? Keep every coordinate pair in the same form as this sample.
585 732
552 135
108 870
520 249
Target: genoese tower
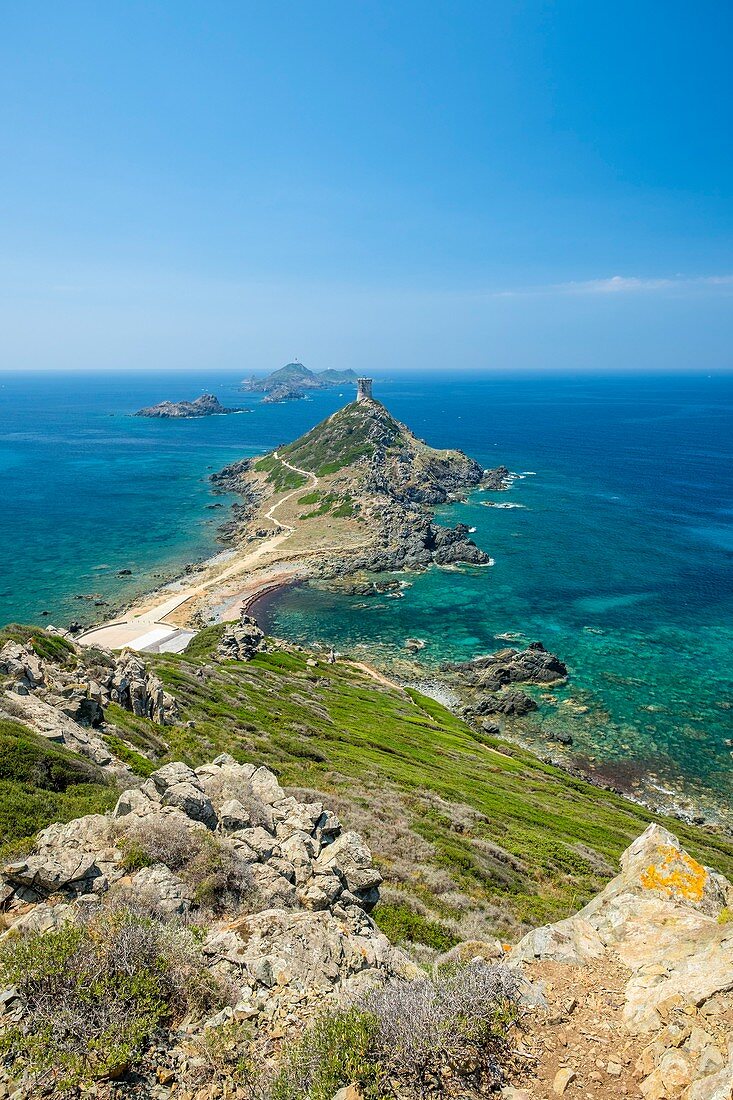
364 389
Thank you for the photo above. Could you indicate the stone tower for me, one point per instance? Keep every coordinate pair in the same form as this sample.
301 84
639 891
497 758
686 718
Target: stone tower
364 389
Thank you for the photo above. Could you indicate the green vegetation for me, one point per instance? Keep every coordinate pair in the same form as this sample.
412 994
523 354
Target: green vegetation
95 994
41 782
50 647
336 1050
135 760
343 440
333 503
401 924
279 475
447 811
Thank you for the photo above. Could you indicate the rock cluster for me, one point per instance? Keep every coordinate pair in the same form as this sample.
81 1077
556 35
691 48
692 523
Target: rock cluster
665 918
488 684
307 932
241 640
64 700
81 688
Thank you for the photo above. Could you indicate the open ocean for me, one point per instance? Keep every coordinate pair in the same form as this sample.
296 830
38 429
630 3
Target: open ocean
618 556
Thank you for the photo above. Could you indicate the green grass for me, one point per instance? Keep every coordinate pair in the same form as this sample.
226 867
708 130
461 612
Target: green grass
537 843
40 783
50 647
279 475
342 440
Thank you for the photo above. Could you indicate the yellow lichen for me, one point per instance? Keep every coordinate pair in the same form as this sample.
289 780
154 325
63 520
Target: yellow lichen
677 875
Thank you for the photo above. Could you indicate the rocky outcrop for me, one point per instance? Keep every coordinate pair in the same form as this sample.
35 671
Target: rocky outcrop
487 685
65 700
87 681
241 640
206 405
288 391
665 919
408 540
533 665
304 932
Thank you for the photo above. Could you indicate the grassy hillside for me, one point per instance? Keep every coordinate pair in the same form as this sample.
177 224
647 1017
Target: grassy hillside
41 782
472 835
343 439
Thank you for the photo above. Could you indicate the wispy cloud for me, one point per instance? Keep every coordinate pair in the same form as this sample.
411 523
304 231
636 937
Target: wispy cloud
626 284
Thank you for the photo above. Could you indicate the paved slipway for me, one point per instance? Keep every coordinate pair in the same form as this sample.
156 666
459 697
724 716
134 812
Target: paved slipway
148 631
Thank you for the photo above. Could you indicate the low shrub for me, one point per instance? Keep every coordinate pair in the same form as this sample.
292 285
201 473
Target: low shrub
336 1050
96 992
454 1024
438 1037
159 839
222 881
402 924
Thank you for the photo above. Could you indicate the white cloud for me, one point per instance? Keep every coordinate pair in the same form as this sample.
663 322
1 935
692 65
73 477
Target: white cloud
626 284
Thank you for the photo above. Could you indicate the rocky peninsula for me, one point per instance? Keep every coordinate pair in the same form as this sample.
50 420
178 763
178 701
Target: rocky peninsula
206 405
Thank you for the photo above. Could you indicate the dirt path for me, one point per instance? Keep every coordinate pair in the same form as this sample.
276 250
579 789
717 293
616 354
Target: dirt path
148 628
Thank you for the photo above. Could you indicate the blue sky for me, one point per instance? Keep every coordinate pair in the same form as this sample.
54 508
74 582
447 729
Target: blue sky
486 186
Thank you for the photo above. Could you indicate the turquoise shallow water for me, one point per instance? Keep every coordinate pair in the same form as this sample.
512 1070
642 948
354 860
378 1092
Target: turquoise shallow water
619 557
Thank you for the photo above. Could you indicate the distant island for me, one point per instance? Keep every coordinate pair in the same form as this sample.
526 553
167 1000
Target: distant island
206 405
295 377
288 391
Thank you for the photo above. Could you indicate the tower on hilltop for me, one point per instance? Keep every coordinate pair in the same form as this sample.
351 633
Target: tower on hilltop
364 389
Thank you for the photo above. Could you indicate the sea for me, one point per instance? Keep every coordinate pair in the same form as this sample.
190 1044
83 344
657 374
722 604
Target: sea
613 545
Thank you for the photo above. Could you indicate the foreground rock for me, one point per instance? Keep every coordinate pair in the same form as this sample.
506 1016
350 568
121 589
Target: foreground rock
206 405
665 920
293 930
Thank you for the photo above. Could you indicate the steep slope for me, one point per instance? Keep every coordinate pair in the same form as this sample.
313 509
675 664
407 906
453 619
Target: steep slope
385 454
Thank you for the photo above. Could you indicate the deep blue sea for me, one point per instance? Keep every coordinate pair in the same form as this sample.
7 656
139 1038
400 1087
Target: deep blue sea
619 556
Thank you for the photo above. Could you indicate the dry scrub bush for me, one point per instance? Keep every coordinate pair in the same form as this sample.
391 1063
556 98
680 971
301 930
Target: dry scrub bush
95 992
430 1037
222 788
159 838
456 1021
221 880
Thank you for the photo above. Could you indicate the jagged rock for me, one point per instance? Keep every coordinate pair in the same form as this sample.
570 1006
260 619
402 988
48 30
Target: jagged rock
351 859
533 665
240 642
659 918
164 890
510 701
192 801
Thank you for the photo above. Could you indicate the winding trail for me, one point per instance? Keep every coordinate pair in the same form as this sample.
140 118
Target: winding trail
148 630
